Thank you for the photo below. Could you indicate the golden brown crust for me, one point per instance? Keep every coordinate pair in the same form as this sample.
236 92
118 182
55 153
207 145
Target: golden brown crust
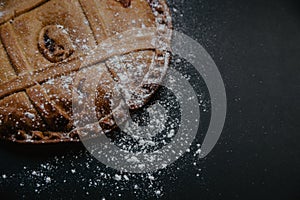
10 9
41 54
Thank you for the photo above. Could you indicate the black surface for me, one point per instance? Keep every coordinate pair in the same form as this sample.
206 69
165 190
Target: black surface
256 46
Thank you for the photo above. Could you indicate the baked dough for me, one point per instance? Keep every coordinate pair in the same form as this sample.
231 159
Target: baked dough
43 44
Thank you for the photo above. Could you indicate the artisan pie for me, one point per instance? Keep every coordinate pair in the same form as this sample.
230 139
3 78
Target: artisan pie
50 47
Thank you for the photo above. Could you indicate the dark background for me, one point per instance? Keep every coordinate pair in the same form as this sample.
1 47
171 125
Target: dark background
256 46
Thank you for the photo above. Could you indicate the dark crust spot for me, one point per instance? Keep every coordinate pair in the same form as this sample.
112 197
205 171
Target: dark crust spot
125 3
55 43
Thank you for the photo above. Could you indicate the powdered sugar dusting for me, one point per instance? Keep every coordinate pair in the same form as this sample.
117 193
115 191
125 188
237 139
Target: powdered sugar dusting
79 171
86 177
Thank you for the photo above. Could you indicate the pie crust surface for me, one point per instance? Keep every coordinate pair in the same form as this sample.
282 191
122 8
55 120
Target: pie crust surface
47 48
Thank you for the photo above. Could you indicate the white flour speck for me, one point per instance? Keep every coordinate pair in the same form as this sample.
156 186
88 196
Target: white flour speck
48 180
